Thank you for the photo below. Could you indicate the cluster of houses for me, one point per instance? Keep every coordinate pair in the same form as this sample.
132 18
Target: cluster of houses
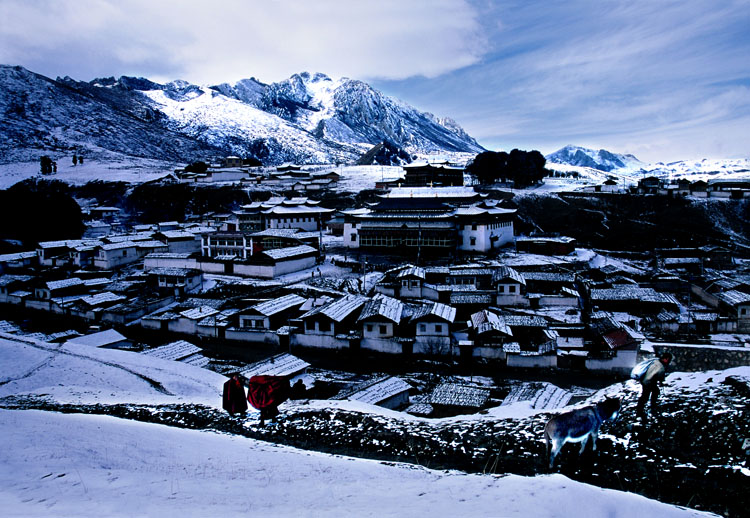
284 177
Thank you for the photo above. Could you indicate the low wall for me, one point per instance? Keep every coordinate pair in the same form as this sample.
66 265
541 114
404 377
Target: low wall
690 358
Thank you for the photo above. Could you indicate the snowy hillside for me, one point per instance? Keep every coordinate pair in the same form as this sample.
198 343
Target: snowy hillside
704 169
97 465
305 119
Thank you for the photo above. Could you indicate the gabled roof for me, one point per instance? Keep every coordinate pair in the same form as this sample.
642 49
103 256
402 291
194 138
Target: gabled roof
174 351
64 283
436 310
100 339
279 365
199 313
411 271
271 307
452 394
292 251
485 321
383 306
376 391
339 309
734 297
507 273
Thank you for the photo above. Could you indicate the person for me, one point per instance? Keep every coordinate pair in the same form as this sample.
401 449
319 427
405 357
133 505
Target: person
266 393
234 395
650 374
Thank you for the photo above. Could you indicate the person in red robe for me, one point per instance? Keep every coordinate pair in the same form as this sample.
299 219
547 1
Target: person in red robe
234 395
266 393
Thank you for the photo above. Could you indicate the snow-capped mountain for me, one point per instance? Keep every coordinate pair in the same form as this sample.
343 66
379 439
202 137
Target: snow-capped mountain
602 159
704 169
307 118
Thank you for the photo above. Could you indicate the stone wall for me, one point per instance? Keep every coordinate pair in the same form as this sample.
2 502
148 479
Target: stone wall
690 358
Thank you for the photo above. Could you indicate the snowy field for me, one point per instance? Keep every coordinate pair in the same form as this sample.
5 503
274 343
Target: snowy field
86 465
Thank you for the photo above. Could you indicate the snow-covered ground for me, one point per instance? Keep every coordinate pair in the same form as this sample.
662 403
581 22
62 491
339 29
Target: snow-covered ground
124 169
87 465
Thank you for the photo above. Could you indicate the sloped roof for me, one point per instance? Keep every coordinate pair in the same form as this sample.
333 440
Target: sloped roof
279 365
376 391
452 394
271 307
339 309
383 306
102 298
485 321
64 283
174 351
506 272
292 251
100 339
435 309
734 297
411 271
199 313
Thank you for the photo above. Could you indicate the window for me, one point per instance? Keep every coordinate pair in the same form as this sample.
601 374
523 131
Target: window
354 237
369 328
383 329
474 226
124 253
473 241
743 311
501 289
438 328
324 325
511 289
422 328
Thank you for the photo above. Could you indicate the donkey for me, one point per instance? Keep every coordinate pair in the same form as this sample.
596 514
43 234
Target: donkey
578 425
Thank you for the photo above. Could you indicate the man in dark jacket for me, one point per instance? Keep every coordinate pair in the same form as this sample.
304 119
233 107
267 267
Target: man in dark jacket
234 395
650 381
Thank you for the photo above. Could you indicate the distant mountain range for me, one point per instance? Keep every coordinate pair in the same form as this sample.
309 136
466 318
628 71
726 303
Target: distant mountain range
307 118
601 160
598 165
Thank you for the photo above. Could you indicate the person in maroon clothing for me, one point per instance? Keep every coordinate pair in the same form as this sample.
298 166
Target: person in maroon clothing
234 395
266 393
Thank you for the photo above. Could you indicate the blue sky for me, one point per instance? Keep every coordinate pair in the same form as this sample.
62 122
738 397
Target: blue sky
664 80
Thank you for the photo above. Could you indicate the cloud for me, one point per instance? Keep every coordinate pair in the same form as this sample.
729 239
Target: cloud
603 73
209 42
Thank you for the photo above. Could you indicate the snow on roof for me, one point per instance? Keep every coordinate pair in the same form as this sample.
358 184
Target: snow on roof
734 297
8 258
452 394
435 309
8 279
64 283
549 276
173 271
485 321
632 293
276 232
100 339
284 210
432 192
173 351
196 360
412 271
178 234
339 309
102 298
376 391
118 245
271 307
525 321
199 313
279 365
383 306
506 272
168 255
459 298
288 252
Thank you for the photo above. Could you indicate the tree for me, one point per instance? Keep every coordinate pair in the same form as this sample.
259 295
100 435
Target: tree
523 168
45 163
39 210
197 167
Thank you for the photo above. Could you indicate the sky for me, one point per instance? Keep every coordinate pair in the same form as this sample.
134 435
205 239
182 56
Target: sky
664 80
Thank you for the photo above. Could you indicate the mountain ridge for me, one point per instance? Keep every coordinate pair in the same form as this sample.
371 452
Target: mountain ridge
307 118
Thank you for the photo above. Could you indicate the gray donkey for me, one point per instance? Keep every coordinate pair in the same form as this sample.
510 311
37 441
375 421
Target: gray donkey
578 425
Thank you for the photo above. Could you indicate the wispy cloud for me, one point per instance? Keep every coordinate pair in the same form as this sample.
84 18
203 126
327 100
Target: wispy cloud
234 39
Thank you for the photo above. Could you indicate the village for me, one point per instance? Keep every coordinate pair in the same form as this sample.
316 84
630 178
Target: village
431 275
